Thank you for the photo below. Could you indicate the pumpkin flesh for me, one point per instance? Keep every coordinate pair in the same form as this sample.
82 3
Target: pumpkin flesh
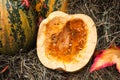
65 43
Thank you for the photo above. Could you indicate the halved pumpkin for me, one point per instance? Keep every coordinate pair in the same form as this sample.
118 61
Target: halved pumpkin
66 41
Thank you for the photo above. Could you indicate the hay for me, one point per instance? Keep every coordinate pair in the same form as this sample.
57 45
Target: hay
105 13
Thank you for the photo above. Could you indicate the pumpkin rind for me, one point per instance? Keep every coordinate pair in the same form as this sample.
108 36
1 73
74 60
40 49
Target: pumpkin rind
17 27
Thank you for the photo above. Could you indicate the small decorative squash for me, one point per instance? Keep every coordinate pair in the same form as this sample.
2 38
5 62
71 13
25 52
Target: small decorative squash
45 7
66 41
17 26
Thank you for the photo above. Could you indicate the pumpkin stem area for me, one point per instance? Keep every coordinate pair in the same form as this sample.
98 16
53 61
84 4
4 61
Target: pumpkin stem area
65 40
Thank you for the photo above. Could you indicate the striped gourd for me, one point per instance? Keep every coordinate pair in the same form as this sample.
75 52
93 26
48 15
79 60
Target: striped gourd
17 26
45 7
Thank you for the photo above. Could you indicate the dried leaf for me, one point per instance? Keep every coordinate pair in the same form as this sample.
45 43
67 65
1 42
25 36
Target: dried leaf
107 58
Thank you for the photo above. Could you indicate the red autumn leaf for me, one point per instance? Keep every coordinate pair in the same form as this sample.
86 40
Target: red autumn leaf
26 3
107 58
39 20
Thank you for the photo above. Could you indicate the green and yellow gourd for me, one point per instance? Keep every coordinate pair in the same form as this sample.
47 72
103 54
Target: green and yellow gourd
17 27
45 7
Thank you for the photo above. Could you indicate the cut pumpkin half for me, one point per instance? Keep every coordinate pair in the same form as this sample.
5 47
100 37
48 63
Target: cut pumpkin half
66 41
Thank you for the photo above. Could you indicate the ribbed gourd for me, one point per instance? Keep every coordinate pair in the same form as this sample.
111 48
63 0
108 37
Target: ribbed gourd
17 26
